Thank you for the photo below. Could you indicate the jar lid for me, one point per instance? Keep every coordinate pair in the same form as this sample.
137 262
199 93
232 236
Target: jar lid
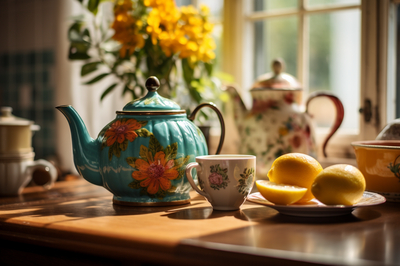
8 119
277 79
152 101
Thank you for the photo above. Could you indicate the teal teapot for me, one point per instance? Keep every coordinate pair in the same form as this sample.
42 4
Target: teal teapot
140 156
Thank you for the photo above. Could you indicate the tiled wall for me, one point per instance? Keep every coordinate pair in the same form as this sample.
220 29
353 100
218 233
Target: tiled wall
27 85
28 42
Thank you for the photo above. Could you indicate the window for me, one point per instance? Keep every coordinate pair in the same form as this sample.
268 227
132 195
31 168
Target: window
342 46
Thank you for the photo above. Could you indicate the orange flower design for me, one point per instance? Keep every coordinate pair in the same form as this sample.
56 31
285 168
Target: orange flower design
121 130
156 173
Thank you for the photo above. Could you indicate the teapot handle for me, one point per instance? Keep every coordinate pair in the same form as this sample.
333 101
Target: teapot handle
339 113
221 121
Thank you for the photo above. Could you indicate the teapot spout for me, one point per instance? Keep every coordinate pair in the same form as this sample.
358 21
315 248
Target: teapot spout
239 108
85 148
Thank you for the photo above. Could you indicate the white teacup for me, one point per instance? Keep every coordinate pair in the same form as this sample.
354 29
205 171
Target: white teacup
225 180
16 172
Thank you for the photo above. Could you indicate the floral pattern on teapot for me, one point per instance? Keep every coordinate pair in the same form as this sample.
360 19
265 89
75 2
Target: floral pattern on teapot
156 167
274 126
120 132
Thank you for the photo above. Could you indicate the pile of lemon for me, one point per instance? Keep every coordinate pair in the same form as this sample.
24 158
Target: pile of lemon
299 178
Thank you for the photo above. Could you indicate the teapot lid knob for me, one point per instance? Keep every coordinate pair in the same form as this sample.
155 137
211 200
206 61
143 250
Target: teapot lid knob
152 83
277 79
278 65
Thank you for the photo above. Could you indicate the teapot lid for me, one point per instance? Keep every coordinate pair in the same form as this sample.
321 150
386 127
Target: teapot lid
277 79
8 119
152 101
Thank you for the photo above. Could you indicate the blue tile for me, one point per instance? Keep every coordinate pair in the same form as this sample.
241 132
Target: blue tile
5 61
18 60
48 57
3 78
31 59
45 77
31 77
3 95
34 94
49 115
48 94
18 78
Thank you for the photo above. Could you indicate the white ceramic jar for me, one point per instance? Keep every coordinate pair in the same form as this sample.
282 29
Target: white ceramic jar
17 157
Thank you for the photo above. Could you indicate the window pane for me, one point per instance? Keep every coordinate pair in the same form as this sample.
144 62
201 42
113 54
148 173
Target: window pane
325 3
217 35
335 61
271 5
216 8
183 2
275 38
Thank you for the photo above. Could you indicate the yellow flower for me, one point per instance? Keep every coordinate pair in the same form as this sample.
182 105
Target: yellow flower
205 11
183 31
126 28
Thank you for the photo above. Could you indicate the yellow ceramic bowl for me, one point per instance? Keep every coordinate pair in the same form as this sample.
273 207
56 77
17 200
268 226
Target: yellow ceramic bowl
379 161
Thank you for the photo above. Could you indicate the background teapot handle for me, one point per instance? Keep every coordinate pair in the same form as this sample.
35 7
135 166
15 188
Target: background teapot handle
192 116
339 113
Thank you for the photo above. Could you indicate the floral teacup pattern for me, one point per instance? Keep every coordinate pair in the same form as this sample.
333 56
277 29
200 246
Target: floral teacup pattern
225 180
218 177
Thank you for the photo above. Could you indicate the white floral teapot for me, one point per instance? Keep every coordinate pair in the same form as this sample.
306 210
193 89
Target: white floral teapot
277 123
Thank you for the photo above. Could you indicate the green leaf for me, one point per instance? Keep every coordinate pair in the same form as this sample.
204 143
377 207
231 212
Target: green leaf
92 6
143 133
209 68
171 151
131 161
89 68
86 36
110 153
78 51
80 42
154 145
130 76
74 34
107 91
143 123
188 72
99 77
195 94
135 185
124 145
181 161
127 89
116 150
143 152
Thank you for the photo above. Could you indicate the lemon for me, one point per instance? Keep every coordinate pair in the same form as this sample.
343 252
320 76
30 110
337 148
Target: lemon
279 193
339 184
296 169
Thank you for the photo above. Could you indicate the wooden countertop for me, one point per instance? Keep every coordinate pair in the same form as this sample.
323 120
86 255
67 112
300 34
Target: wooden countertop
76 218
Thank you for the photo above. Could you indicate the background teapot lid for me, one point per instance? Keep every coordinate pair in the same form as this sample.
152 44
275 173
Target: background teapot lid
152 101
276 79
8 119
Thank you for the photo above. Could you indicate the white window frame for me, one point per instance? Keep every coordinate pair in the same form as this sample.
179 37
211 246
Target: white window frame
378 53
